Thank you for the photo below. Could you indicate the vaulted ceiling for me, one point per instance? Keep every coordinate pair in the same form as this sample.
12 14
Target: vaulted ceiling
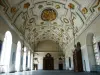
56 20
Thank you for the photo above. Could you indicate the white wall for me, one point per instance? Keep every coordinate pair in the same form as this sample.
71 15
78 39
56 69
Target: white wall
47 46
93 28
85 59
40 56
3 28
13 56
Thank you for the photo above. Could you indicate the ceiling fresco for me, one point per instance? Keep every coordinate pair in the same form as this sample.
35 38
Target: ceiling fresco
48 14
56 20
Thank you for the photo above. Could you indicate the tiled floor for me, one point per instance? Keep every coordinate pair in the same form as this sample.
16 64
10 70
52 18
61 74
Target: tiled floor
54 72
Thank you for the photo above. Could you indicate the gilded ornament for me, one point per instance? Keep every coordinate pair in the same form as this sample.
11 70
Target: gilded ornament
71 6
26 5
84 10
57 6
48 14
13 10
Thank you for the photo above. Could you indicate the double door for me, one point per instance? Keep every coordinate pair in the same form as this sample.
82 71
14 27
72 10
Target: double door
48 63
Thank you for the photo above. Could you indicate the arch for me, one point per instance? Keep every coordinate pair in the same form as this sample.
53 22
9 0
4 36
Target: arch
6 51
90 50
31 61
18 56
96 51
28 60
47 46
48 62
24 59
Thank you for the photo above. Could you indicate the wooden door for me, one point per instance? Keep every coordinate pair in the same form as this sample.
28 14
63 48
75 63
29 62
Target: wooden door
48 62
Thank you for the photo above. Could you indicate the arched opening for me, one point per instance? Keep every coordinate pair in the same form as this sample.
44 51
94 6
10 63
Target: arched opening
90 51
44 47
18 56
69 62
0 48
31 61
48 62
24 59
28 60
96 51
6 51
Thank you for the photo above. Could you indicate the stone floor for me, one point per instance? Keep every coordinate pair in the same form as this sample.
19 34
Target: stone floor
54 72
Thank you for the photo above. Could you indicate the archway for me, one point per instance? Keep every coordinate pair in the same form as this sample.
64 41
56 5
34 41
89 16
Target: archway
48 62
6 51
18 56
90 50
96 51
28 66
24 59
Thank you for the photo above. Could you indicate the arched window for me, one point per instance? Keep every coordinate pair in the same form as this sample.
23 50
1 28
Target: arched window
6 51
18 56
28 59
96 51
31 61
24 59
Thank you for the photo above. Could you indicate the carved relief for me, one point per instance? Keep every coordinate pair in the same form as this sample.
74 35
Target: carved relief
48 14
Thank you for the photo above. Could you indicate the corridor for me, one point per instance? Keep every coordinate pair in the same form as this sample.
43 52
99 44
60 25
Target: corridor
61 36
52 72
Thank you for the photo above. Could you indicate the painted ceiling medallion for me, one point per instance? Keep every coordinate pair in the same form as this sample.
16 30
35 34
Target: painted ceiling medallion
48 14
71 6
13 10
84 10
26 5
57 6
